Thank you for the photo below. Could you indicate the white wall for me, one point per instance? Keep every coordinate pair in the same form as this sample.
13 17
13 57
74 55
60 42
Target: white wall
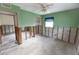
6 20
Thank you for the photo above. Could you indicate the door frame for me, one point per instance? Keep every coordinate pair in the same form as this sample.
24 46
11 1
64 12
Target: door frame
15 18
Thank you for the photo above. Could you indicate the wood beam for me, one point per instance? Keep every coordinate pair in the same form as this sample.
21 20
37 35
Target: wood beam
76 36
69 35
0 33
30 32
33 31
62 33
18 35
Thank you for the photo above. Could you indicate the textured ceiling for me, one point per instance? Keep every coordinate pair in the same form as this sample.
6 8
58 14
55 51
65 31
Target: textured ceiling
54 7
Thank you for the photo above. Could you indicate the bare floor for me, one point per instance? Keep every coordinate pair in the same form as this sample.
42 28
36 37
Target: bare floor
38 45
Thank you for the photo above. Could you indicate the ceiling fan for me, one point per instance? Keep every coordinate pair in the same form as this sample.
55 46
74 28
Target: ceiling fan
45 6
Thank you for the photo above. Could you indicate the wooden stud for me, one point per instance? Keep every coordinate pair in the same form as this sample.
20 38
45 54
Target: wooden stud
4 30
9 28
66 34
1 29
41 29
77 41
76 35
30 31
0 35
48 32
45 31
33 31
57 32
62 33
52 31
73 33
12 28
69 35
38 29
18 35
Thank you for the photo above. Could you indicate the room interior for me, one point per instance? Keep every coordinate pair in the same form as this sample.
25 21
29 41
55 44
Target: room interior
39 29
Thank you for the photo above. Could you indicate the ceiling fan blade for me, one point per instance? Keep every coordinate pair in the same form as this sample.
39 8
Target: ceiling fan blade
42 5
48 5
41 10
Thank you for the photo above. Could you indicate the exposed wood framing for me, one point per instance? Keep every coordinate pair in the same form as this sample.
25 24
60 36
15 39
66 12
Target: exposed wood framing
17 30
52 31
57 31
18 35
38 29
33 31
62 33
76 36
0 35
69 34
30 31
45 31
48 32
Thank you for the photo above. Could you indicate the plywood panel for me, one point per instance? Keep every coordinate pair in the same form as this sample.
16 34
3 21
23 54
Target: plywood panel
66 34
60 32
72 35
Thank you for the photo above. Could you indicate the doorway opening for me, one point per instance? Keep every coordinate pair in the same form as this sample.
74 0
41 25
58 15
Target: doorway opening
7 30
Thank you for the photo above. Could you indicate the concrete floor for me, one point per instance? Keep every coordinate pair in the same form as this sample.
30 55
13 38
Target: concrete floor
36 46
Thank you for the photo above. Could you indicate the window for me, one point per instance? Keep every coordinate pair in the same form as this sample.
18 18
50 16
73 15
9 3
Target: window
49 22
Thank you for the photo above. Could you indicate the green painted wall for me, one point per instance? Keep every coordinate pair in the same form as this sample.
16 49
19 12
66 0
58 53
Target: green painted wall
25 18
66 18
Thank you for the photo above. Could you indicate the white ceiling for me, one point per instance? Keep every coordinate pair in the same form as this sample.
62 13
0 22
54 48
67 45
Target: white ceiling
55 7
